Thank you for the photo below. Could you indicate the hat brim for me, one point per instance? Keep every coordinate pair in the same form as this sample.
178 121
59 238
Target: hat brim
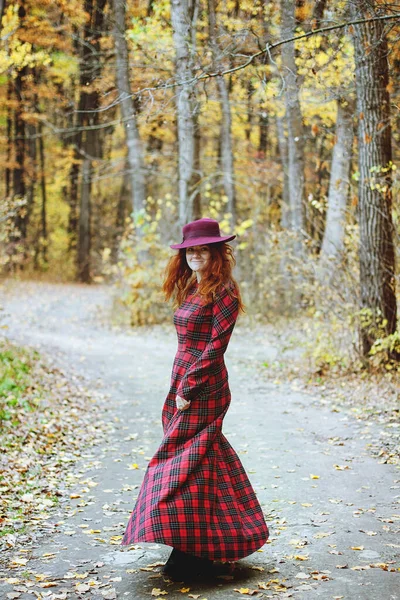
202 240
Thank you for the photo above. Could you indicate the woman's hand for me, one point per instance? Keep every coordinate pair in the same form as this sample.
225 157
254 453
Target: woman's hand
181 403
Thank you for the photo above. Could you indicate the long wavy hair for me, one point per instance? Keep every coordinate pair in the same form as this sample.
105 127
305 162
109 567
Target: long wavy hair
179 277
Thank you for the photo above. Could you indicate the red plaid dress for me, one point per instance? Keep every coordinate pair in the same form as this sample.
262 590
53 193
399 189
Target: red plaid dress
196 495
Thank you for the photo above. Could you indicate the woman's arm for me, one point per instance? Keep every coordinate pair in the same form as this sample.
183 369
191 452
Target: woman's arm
225 312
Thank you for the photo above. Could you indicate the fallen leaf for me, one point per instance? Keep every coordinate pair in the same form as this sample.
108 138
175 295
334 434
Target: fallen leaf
314 476
323 534
157 592
109 594
357 547
383 566
302 576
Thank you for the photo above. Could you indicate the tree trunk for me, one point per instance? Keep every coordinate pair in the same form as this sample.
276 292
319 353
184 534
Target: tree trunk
129 116
227 166
84 236
376 253
43 212
293 119
196 177
333 241
9 137
283 153
263 139
318 13
19 186
2 7
183 15
88 145
122 211
249 107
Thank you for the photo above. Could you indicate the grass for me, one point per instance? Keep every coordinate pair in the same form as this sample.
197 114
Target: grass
15 381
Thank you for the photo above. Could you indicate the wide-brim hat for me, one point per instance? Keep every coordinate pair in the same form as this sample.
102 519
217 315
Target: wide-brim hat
202 231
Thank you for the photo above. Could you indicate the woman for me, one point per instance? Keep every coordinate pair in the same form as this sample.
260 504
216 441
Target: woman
196 496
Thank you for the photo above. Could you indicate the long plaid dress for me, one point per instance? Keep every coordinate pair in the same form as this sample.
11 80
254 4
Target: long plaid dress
196 495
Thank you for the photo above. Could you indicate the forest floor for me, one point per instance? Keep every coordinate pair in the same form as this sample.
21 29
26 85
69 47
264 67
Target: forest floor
331 499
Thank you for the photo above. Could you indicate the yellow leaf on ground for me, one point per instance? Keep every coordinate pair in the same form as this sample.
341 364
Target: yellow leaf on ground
157 592
357 547
314 476
383 566
322 534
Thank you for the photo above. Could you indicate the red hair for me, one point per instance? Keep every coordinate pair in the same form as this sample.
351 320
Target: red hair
179 277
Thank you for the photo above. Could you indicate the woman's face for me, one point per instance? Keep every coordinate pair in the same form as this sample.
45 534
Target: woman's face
198 257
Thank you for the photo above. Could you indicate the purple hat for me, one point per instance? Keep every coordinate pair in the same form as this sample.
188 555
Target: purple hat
202 231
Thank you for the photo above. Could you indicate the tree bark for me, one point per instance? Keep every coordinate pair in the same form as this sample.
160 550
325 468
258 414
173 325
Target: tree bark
43 212
84 236
88 143
333 241
294 119
2 7
9 137
183 16
18 178
129 115
318 13
283 153
227 165
376 253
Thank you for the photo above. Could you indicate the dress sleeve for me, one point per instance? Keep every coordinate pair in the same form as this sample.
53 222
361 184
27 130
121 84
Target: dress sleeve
225 312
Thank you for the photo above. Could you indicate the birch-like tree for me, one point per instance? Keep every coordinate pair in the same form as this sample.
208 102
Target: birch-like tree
227 166
127 106
333 241
184 16
294 121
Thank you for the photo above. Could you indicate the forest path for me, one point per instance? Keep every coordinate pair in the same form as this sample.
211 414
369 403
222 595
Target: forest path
324 497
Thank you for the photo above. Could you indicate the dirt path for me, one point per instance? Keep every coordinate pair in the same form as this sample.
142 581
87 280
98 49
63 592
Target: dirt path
326 500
